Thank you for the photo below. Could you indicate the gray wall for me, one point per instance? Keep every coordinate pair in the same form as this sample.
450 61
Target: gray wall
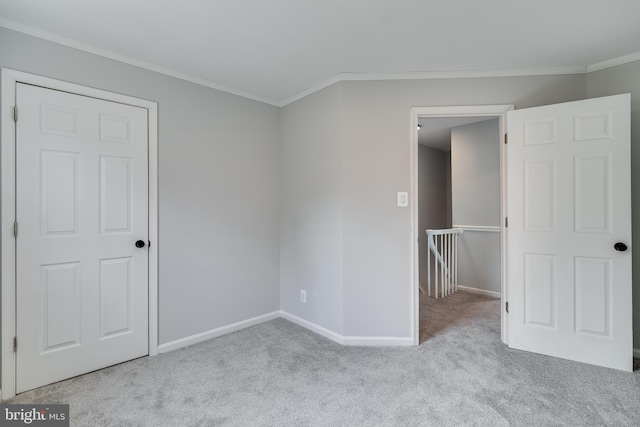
475 181
613 81
433 199
475 173
218 186
311 208
376 251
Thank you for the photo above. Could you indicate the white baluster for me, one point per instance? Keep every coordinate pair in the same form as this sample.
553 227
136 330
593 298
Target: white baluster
428 264
442 276
435 265
455 262
449 278
445 252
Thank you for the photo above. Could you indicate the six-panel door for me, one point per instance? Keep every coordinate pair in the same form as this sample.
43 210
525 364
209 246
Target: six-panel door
82 203
569 203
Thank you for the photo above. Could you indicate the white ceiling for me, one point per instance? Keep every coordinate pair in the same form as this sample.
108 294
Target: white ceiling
277 50
435 132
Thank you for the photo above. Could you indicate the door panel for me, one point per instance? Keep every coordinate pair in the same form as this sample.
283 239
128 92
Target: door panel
592 295
569 202
81 204
539 289
59 189
60 305
539 198
115 194
115 296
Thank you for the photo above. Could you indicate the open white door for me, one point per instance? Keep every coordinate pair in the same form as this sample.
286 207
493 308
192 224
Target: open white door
569 231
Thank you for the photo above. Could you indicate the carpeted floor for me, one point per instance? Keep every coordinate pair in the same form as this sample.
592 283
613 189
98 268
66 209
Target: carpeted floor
279 374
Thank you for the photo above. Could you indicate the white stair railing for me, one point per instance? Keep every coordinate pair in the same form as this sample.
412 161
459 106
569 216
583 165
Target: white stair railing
444 246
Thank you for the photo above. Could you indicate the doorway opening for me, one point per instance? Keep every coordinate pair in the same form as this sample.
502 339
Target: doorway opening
459 208
458 187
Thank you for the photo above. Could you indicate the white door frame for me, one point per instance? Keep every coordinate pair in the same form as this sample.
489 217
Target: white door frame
8 212
497 111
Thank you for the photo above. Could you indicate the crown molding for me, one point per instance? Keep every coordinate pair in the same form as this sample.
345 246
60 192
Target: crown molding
417 75
613 62
41 34
432 75
463 74
311 90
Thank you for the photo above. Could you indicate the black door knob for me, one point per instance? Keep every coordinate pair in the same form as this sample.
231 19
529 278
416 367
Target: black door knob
140 244
620 247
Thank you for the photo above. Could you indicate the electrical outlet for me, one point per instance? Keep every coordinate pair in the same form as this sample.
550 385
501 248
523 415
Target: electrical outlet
303 296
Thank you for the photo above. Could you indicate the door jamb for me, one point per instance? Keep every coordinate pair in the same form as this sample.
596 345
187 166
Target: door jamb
7 189
500 112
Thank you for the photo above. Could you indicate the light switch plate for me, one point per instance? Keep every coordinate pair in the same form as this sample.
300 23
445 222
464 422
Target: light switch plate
403 198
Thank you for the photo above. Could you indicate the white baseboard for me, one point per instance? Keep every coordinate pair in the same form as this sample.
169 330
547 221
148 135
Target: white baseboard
340 339
378 341
348 340
204 336
313 327
479 291
636 352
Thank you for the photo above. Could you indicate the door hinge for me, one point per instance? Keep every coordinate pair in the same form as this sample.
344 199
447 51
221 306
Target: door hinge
506 222
507 306
15 344
15 113
15 229
506 138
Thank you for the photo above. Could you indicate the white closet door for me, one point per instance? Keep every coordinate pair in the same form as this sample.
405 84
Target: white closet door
82 203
